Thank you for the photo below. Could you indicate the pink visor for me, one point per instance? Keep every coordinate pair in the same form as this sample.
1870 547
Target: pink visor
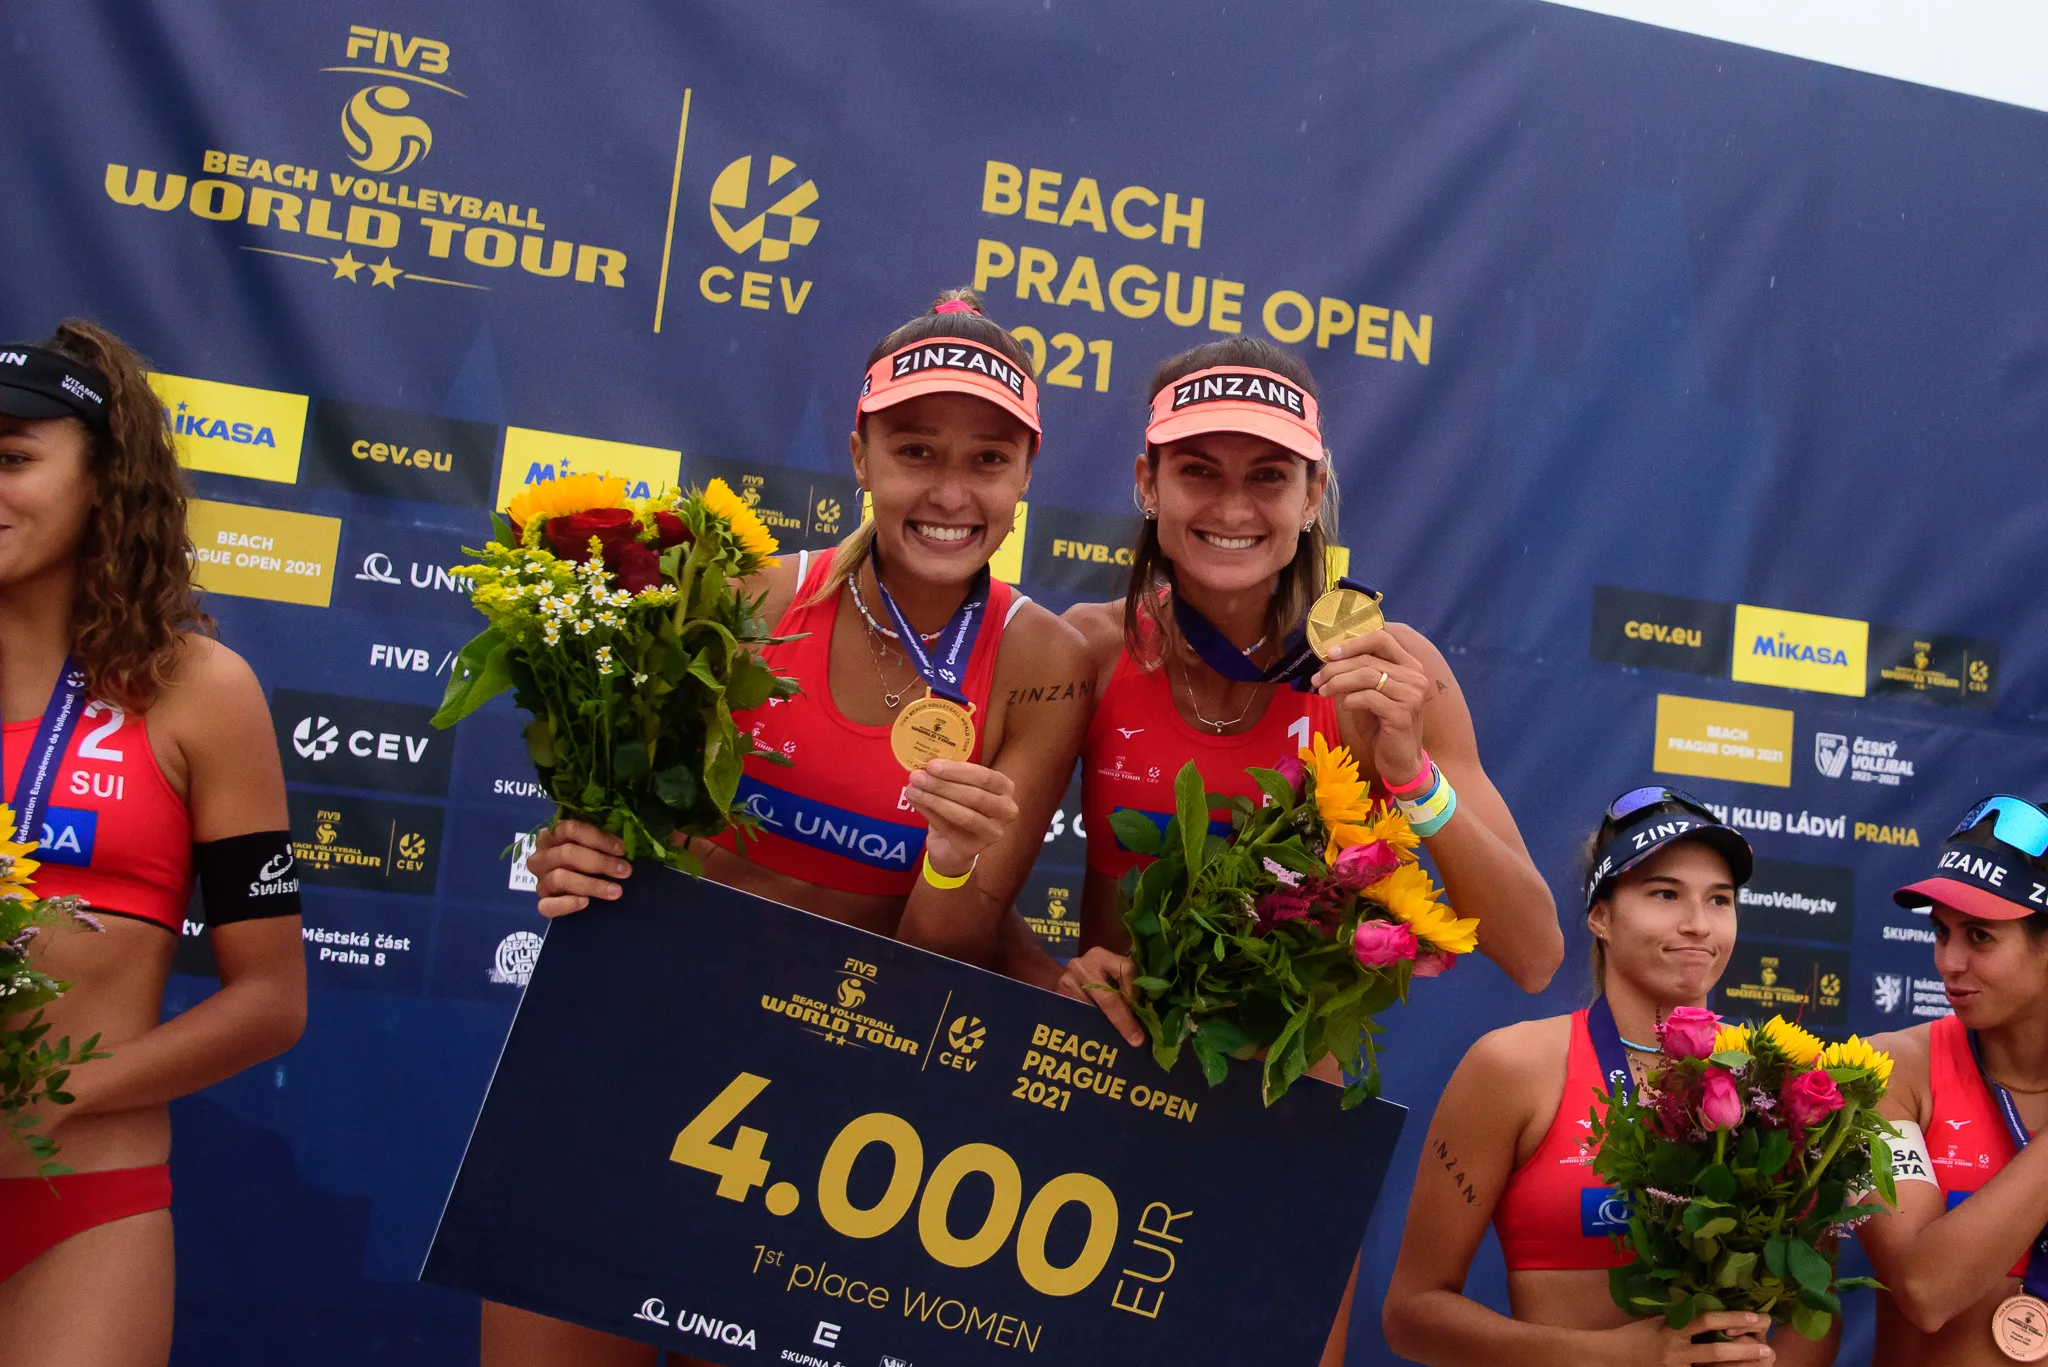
951 365
1238 399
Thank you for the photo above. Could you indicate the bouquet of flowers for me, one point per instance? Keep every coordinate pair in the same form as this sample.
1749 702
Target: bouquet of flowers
1740 1158
32 1069
1288 936
619 626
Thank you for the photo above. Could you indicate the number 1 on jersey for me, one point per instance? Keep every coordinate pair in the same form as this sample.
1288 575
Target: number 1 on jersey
1297 731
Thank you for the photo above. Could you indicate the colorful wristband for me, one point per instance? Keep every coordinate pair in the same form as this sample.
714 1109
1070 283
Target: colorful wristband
1418 785
1425 810
1447 802
940 880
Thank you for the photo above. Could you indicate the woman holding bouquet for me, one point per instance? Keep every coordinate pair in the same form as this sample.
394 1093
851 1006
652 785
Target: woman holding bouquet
139 752
945 433
1966 1278
1203 661
1507 1143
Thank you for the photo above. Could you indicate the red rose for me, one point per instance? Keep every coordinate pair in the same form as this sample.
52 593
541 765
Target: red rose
569 536
635 565
670 530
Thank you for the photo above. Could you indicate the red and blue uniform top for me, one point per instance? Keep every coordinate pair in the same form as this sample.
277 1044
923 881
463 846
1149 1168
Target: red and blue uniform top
838 814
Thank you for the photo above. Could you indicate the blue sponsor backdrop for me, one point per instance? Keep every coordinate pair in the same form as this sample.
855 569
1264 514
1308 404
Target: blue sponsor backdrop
1591 304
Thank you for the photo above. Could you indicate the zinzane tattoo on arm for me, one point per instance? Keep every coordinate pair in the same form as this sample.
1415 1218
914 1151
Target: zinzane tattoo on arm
1062 691
1441 1152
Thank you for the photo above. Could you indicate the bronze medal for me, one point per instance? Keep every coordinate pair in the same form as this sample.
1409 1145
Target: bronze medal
932 728
2020 1328
1343 615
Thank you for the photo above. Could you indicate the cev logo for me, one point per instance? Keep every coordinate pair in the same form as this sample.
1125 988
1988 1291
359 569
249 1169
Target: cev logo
730 191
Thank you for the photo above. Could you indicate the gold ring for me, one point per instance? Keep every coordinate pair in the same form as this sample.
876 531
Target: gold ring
1381 686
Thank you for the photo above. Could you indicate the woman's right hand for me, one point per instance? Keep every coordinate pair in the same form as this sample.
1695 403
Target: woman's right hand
1103 976
574 861
1647 1343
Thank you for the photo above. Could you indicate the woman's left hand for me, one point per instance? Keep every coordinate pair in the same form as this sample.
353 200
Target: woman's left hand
1384 689
969 807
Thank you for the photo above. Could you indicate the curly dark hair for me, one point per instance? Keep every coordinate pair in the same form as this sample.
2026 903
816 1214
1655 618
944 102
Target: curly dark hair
135 598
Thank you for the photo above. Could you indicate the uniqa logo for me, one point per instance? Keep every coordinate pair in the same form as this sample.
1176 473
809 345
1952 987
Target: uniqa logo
789 226
1779 648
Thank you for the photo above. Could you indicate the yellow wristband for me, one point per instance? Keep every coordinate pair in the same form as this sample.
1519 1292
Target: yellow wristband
940 880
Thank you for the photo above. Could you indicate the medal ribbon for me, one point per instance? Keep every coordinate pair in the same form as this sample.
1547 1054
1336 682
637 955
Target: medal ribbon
46 751
1607 1046
942 664
1297 662
2037 1260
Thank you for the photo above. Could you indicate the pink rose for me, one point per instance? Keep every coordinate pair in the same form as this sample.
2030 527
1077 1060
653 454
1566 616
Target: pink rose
1810 1098
1294 771
1381 943
1688 1032
1361 866
1432 962
1720 1103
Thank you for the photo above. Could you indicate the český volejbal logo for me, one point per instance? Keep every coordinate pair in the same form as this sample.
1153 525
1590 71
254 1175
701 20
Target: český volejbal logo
384 135
779 221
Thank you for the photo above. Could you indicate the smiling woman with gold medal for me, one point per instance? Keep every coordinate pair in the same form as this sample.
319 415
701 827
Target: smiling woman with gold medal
1230 652
1964 1258
916 790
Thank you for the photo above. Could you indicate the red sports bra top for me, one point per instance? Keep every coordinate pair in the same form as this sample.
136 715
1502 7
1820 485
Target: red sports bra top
1555 1215
115 832
1966 1136
837 815
1138 740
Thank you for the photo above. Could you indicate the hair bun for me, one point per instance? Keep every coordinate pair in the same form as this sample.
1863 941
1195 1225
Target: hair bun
958 301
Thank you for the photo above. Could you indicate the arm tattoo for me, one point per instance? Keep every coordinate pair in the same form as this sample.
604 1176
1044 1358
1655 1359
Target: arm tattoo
1442 1153
1057 691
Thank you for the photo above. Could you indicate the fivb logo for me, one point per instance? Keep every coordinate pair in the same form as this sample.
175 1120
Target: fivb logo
382 137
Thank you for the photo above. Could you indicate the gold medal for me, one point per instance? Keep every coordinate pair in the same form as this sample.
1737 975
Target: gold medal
932 728
1343 615
2020 1328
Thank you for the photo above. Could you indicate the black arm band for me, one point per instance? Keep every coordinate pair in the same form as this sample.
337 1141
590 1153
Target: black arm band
247 877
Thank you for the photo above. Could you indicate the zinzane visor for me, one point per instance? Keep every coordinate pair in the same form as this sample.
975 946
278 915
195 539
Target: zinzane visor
951 365
1238 399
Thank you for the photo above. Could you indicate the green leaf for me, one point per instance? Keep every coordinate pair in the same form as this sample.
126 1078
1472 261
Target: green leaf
752 682
1808 1267
1215 1065
1810 1323
1715 1228
540 744
1730 1058
1774 1256
481 672
1715 1183
630 761
1774 1153
1223 1034
1682 1313
1736 1269
1153 985
677 786
1273 786
1191 809
1135 831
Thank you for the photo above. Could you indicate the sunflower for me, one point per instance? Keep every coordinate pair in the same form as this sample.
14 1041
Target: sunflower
16 868
1410 896
1392 826
1732 1037
1855 1053
569 494
1340 796
754 538
1801 1046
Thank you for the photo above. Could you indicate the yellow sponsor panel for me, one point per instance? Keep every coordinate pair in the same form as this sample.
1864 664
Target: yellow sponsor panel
263 553
533 457
1007 564
1800 650
231 429
1732 740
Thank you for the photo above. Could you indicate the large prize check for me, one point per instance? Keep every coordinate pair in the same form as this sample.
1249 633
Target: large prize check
752 1135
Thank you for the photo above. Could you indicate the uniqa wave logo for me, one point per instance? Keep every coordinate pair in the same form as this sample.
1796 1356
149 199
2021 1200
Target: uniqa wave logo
775 229
384 136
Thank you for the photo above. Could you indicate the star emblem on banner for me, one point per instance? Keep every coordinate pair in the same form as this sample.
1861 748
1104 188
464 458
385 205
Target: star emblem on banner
385 275
345 265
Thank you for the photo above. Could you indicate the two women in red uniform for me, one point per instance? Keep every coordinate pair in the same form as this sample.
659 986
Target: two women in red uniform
1507 1143
1962 1256
139 752
944 438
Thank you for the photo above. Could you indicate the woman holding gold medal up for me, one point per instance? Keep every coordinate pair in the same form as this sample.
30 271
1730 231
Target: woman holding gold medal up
1229 652
916 795
1964 1257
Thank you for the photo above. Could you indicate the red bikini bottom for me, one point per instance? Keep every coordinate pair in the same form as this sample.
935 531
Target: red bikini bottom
37 1214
